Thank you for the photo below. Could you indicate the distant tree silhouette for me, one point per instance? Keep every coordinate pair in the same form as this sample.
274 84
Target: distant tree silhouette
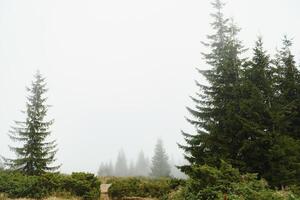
160 166
131 169
121 168
106 169
142 165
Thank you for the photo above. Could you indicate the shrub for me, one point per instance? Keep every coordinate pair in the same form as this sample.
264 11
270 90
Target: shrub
17 185
142 187
210 183
84 185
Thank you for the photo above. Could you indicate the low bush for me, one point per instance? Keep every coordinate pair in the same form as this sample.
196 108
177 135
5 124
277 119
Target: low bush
84 185
18 185
142 187
210 183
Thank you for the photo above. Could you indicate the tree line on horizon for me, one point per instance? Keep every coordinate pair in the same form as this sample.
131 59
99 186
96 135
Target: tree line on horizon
159 166
121 167
35 154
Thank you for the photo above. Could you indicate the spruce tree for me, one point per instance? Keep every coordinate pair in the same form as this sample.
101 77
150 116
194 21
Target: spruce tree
160 166
36 154
142 165
287 91
256 106
285 152
121 168
215 115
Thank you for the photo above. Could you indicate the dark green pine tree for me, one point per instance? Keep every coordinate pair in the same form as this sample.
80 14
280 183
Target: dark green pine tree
256 106
36 154
287 91
285 152
160 166
217 104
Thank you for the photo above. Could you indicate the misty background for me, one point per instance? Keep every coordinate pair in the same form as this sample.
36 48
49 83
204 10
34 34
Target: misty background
119 73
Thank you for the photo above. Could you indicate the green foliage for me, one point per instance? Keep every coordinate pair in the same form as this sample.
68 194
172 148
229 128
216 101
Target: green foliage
18 185
210 183
83 185
142 187
285 164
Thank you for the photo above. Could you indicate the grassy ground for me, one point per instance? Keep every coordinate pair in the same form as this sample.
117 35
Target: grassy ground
51 198
2 197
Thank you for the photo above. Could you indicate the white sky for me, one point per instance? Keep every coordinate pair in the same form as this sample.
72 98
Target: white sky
119 72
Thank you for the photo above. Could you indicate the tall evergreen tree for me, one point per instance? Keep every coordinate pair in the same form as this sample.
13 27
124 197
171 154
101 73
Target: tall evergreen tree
287 91
285 152
160 166
217 104
255 115
36 154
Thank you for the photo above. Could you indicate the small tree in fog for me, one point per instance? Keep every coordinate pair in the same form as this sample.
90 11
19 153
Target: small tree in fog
105 169
160 166
35 155
131 169
142 165
121 165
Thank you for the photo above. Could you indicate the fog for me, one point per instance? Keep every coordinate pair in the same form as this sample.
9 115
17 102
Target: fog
119 73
